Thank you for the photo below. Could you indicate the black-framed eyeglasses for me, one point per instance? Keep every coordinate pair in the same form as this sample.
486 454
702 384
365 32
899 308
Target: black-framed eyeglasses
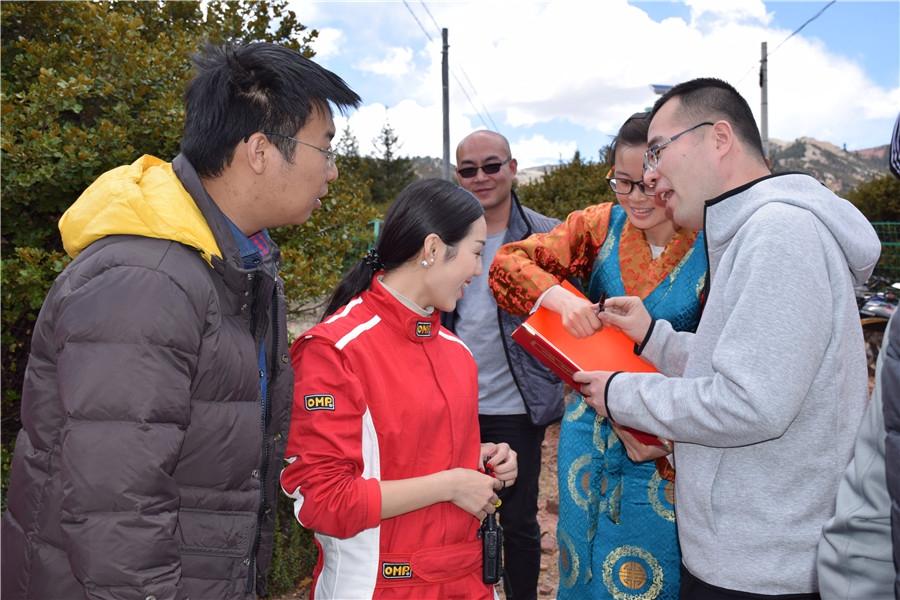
623 187
489 169
651 156
329 155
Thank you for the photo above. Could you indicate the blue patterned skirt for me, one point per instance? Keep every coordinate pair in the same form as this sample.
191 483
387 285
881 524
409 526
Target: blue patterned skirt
616 532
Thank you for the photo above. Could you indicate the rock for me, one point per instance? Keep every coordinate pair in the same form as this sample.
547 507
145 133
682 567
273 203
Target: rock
552 506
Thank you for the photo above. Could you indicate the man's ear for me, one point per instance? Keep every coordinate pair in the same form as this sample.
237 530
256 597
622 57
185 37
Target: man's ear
513 166
257 151
723 136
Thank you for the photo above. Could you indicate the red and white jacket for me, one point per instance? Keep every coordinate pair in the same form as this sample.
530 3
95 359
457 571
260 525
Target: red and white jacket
383 393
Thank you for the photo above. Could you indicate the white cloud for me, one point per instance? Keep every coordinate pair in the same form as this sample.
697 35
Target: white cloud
329 43
554 68
728 10
398 61
538 150
418 128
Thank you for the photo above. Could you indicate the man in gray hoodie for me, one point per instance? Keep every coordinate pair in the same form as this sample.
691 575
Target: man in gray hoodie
765 399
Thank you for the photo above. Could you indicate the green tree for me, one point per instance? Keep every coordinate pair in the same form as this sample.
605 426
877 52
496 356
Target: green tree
27 274
878 199
88 86
347 149
568 187
389 172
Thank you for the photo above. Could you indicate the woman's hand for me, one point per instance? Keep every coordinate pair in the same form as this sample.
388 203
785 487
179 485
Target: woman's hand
638 451
579 316
502 460
474 492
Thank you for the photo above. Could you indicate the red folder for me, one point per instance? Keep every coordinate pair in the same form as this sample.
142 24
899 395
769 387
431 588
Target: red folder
544 337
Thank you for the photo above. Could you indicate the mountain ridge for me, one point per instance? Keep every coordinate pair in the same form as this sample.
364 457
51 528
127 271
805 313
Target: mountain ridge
839 169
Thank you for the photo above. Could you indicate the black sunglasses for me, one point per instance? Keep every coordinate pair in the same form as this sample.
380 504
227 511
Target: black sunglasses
489 169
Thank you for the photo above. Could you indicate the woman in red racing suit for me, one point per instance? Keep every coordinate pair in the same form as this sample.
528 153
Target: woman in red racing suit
384 459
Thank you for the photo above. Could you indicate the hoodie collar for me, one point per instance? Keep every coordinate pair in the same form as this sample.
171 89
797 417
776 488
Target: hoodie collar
726 214
144 198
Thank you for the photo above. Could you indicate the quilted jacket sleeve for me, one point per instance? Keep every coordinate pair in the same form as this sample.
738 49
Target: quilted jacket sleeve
524 270
127 341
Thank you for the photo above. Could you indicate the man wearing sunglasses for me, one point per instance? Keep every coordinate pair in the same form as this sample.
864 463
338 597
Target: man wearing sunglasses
764 400
517 396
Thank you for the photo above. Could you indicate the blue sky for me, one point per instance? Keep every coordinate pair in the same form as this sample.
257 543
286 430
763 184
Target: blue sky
556 76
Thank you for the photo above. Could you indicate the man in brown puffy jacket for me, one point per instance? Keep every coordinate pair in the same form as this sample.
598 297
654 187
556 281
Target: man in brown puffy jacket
158 390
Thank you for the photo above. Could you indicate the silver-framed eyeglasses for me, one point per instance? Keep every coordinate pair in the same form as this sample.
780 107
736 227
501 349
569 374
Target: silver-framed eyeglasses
623 187
330 155
651 156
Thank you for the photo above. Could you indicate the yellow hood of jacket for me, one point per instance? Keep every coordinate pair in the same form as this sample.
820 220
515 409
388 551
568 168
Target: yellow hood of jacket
144 198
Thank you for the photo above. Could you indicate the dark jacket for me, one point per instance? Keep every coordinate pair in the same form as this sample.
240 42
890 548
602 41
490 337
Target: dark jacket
147 462
890 396
541 390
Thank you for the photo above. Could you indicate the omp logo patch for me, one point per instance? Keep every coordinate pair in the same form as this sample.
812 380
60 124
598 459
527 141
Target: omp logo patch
396 570
423 329
319 402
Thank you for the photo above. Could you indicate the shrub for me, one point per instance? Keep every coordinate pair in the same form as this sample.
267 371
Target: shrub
568 187
25 279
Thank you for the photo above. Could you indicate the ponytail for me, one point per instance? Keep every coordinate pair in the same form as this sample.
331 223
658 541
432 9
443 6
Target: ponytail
354 282
421 208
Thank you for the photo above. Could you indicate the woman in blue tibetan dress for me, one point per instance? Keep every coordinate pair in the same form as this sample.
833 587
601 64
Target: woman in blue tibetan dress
616 534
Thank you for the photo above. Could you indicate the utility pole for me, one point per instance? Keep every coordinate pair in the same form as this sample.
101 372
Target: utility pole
764 100
446 102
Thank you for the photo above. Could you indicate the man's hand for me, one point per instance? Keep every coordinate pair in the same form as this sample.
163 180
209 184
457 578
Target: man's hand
579 316
628 314
640 452
593 388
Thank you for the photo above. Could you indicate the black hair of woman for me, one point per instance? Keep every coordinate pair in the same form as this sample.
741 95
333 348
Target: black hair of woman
633 132
421 208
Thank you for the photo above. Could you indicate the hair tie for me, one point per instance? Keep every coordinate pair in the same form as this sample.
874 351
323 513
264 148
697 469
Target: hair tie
373 260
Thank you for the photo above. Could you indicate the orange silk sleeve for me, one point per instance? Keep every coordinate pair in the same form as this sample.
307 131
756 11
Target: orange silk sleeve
524 270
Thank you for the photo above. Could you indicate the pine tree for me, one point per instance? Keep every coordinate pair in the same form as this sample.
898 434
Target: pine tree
390 173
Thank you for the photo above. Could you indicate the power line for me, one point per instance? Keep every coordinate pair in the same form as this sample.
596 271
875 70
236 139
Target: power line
458 82
425 6
486 111
471 103
796 31
422 27
793 33
466 75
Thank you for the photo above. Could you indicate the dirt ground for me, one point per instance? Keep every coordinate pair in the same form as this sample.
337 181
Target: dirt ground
548 513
